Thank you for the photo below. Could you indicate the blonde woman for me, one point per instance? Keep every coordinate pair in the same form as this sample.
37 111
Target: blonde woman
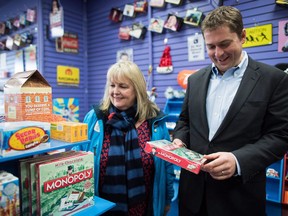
119 127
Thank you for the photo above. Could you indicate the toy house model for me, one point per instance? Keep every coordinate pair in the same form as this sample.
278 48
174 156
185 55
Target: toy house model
28 96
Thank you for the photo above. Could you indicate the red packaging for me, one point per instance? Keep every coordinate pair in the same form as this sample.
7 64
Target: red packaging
178 155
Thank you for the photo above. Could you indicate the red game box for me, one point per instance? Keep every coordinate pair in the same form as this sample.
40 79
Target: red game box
180 156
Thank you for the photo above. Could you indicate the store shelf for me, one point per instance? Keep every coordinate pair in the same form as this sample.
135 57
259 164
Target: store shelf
274 184
172 109
55 145
101 206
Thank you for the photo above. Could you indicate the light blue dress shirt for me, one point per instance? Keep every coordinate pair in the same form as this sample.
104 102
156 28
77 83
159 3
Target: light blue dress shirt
221 92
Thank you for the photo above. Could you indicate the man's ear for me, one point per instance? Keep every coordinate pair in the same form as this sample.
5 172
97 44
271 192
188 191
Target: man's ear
243 36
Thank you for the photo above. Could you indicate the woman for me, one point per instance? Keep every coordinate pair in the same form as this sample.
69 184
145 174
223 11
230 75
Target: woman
118 128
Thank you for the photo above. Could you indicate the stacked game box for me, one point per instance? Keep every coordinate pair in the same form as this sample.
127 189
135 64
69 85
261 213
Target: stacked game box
59 184
178 155
9 194
28 181
66 185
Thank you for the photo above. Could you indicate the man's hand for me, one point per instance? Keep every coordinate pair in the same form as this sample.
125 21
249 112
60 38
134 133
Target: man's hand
220 165
166 209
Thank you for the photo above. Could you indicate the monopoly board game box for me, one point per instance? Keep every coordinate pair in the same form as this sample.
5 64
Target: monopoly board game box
28 181
23 136
180 156
65 186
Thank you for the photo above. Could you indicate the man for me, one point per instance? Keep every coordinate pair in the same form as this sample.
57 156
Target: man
235 112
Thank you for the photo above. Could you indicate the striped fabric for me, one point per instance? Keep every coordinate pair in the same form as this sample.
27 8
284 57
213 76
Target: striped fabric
124 178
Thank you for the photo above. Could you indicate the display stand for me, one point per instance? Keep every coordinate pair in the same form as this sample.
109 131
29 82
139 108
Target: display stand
101 205
274 183
285 181
172 109
55 145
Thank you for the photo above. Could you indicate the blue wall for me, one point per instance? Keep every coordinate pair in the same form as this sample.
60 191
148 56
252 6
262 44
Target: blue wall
104 43
99 42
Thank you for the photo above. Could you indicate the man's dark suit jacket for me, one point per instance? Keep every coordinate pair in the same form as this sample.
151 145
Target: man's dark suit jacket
255 130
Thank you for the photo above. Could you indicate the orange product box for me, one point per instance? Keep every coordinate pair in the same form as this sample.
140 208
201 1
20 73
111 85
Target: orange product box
69 131
180 156
28 96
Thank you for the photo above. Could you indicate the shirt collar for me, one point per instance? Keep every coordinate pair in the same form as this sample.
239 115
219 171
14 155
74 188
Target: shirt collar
234 70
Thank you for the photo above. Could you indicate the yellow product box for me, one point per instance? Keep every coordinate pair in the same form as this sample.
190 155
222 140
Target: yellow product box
69 131
23 136
84 131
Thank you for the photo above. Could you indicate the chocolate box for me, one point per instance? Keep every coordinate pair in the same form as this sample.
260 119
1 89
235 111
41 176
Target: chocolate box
28 96
180 156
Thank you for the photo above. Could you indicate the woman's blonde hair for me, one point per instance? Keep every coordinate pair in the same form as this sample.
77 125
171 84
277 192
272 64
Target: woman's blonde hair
146 109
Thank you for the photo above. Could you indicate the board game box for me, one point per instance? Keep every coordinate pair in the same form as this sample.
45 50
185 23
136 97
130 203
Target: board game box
28 181
180 156
66 185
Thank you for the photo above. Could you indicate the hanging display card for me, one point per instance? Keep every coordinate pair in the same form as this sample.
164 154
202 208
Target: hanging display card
156 25
258 36
157 3
30 56
67 43
124 55
196 48
18 62
283 36
56 20
129 10
193 17
177 2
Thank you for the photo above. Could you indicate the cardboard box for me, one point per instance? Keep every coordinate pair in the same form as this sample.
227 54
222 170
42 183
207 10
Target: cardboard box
65 186
23 136
28 181
9 191
28 96
69 131
180 156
